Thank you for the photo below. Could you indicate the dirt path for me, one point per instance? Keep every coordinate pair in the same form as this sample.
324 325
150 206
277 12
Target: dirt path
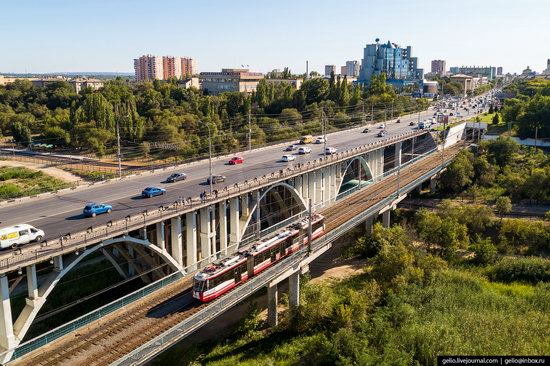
54 172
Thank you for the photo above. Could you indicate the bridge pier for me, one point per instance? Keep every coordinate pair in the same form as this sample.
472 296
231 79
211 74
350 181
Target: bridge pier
160 235
398 149
386 218
7 338
433 184
234 225
176 239
206 233
222 219
191 239
294 292
368 225
58 263
272 299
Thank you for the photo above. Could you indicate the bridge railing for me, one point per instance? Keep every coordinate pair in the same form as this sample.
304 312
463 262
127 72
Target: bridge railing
73 242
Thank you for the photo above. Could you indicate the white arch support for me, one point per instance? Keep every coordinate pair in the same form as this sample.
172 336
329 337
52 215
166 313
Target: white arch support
33 306
363 162
293 192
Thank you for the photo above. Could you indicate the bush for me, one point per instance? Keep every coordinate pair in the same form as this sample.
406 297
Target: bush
484 249
530 269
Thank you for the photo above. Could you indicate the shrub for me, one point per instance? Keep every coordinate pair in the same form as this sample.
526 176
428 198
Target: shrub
530 269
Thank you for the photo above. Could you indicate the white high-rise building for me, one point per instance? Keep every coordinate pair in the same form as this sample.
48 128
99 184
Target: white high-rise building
149 67
352 68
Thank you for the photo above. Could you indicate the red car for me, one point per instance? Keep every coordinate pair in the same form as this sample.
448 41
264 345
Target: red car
236 160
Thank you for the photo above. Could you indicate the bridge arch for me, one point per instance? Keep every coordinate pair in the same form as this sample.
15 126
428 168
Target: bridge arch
293 192
33 306
350 172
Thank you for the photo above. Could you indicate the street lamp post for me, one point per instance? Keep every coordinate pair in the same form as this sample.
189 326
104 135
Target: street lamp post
209 154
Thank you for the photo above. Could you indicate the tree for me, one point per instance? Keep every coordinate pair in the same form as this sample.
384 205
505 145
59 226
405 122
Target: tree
21 133
496 119
484 249
459 174
503 205
501 151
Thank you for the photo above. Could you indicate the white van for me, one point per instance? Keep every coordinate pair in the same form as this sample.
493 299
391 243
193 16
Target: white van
19 235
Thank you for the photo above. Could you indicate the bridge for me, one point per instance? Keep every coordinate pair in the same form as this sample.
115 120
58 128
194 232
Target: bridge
166 239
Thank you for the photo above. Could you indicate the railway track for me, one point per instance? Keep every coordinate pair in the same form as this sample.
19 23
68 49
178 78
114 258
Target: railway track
128 329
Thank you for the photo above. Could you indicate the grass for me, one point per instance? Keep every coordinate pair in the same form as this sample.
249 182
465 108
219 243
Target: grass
456 311
21 182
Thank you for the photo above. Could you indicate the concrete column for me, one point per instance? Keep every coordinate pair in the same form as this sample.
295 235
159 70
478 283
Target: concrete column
413 144
7 339
294 292
32 282
160 235
143 233
234 228
245 205
299 185
205 233
131 261
334 182
433 185
222 219
319 186
191 239
58 263
272 316
176 244
311 187
368 225
305 192
398 154
258 214
386 218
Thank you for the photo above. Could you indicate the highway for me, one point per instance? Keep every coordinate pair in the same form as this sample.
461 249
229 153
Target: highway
62 213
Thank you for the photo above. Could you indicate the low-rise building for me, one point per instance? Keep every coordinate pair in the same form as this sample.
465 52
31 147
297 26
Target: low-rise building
190 83
230 80
295 83
81 83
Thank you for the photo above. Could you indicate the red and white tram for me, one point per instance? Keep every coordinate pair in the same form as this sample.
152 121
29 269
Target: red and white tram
220 277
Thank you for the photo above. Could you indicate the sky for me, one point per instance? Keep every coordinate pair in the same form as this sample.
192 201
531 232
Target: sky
48 36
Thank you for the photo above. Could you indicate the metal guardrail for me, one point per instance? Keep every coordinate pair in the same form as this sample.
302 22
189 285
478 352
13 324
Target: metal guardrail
148 350
76 241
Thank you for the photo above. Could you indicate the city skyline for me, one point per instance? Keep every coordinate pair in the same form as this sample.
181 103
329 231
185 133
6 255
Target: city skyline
212 34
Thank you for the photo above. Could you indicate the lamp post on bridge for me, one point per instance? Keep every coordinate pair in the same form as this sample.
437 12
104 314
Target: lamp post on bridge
209 154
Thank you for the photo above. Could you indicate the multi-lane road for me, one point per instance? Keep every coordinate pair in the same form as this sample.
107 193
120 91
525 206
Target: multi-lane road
62 213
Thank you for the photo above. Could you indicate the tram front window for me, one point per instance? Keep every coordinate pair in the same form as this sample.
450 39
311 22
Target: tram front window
199 286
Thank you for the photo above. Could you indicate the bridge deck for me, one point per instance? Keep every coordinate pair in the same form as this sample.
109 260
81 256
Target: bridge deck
105 341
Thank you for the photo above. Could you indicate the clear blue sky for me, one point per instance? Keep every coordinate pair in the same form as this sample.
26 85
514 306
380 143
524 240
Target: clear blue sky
105 35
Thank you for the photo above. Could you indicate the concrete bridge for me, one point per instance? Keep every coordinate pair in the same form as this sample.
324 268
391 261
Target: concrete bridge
181 236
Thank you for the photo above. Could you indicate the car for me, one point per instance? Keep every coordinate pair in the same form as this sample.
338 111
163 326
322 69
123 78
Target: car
304 150
13 236
450 114
236 160
398 121
287 158
411 123
291 147
381 125
366 130
176 177
93 209
320 140
381 133
152 191
216 179
330 150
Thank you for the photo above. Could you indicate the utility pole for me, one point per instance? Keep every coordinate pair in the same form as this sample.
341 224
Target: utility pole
310 227
118 155
249 131
392 109
372 112
324 127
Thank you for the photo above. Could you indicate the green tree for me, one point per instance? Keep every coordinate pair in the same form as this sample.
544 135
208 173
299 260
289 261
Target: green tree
459 174
496 119
503 205
21 133
484 249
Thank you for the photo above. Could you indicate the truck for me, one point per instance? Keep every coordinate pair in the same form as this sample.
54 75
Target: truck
13 236
424 124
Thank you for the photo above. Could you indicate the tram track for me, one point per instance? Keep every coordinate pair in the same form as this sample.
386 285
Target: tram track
127 329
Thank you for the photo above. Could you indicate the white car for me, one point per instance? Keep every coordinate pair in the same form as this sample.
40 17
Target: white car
21 234
320 140
381 126
330 150
304 150
287 158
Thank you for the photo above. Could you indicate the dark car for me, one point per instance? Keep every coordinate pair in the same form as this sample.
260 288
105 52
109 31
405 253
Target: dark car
411 123
398 121
291 147
216 179
152 191
93 209
176 177
366 130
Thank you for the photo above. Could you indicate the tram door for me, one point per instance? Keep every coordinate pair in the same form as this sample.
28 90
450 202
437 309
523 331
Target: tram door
237 274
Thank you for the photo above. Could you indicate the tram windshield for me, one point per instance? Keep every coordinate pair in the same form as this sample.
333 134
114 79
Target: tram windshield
200 285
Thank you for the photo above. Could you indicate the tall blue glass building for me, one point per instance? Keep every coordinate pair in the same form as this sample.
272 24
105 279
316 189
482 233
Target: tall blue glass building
393 60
